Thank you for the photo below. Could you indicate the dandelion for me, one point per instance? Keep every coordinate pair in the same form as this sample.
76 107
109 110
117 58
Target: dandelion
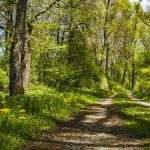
22 110
5 110
22 117
65 101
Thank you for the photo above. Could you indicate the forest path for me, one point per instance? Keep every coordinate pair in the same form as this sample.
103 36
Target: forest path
96 127
138 101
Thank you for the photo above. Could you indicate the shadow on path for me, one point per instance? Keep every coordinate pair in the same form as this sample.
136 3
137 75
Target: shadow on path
95 128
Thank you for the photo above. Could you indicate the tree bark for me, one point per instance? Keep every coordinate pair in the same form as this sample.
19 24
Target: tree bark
133 72
62 38
124 74
17 46
107 60
26 57
71 41
129 82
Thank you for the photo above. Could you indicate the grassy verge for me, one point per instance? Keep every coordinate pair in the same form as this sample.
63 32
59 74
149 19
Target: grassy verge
137 117
141 96
24 117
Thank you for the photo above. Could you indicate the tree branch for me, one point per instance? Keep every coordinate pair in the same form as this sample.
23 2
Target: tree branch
10 24
2 28
42 12
145 22
12 2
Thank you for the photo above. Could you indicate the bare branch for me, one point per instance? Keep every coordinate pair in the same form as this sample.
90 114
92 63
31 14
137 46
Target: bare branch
145 22
42 12
2 28
8 21
12 2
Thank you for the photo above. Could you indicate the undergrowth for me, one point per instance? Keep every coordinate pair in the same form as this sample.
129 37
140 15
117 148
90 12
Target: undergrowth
26 116
142 96
137 117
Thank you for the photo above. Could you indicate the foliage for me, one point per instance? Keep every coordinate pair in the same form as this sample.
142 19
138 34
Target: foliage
25 116
3 80
78 50
142 88
136 116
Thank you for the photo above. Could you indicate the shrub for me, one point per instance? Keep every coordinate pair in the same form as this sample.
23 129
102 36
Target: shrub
24 116
3 80
144 88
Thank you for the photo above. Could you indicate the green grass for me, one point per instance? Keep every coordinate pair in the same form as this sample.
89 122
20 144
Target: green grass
137 117
141 96
26 116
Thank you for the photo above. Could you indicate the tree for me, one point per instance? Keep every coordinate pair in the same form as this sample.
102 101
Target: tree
17 47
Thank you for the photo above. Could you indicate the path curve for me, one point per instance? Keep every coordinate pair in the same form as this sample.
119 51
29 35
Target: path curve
96 127
138 101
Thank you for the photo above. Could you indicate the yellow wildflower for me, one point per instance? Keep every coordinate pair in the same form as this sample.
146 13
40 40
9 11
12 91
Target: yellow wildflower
65 100
22 110
22 117
5 110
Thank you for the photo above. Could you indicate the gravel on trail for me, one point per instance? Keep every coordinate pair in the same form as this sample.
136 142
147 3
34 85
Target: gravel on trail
138 101
96 127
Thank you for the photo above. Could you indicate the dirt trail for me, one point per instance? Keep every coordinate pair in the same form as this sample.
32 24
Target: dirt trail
94 128
138 101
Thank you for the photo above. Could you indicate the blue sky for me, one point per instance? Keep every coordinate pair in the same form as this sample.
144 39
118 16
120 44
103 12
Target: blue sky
144 3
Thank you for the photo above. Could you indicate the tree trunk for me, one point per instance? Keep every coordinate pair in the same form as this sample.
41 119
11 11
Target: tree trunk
62 38
124 74
133 72
17 46
26 58
107 60
59 22
71 41
113 71
129 82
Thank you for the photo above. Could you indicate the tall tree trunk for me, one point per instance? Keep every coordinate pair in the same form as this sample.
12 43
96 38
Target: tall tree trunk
71 41
62 38
58 37
124 74
129 82
59 22
133 72
107 60
113 71
26 57
18 43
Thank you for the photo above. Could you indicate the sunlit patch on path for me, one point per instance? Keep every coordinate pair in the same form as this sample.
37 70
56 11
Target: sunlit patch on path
138 101
95 128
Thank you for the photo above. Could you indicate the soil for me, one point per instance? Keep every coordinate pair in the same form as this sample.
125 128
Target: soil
138 101
96 127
